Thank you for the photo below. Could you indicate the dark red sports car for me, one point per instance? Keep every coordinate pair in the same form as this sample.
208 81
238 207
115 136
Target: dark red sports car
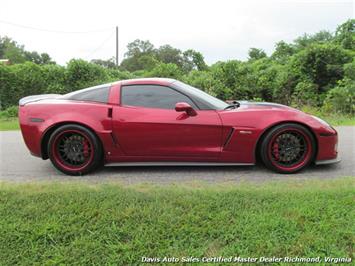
166 122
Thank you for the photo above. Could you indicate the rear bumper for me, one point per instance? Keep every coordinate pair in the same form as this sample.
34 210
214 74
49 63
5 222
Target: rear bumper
331 161
31 132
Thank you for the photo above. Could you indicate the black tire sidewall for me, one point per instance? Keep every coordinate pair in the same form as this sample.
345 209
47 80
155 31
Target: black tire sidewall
97 149
265 144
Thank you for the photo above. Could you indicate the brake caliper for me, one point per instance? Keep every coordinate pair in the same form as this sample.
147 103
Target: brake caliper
85 148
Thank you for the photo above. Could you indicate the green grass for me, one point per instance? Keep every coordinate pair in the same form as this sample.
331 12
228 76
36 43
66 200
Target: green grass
82 223
335 119
9 124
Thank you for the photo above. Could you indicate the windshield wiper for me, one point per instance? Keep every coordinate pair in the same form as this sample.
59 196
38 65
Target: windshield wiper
234 105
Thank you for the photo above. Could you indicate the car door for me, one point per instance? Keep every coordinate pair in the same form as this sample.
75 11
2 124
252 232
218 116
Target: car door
146 124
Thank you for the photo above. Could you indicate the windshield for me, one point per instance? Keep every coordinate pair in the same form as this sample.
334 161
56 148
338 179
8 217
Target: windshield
215 103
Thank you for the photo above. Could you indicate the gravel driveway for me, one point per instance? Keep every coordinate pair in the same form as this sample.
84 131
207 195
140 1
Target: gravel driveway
18 165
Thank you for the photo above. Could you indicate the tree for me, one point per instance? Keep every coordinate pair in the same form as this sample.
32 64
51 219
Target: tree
40 59
138 47
193 60
319 37
80 74
322 64
341 98
109 63
168 54
140 55
283 51
255 54
345 34
166 71
9 49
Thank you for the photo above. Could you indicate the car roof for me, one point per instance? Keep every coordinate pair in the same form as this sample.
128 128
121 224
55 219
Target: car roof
159 81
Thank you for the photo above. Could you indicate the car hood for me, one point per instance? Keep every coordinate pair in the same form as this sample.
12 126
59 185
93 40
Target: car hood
264 106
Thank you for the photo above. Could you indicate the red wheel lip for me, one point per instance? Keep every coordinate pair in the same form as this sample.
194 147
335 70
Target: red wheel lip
306 157
60 162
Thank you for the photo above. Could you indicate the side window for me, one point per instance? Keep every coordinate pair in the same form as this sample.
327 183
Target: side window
92 95
152 96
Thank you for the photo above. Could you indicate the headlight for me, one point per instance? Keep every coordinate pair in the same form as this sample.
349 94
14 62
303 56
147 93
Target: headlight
322 122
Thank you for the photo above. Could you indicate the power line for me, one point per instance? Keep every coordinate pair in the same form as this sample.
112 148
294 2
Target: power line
101 45
51 31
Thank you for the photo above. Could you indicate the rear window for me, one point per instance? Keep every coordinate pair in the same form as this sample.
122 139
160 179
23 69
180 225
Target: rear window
96 94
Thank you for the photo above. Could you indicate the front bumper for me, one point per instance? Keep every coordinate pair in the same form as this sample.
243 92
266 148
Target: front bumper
327 147
331 161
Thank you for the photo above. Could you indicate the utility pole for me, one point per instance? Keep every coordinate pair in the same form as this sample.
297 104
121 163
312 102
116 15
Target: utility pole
116 45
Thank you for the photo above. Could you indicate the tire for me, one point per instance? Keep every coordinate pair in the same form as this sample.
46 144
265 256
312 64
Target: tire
74 150
288 148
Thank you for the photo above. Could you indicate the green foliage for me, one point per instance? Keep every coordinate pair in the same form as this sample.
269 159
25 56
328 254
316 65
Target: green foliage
142 55
193 60
345 34
349 70
133 58
168 54
322 64
10 49
315 70
54 78
80 74
205 81
332 117
10 112
139 47
341 98
255 54
20 80
306 93
317 38
141 62
110 63
165 70
283 51
82 224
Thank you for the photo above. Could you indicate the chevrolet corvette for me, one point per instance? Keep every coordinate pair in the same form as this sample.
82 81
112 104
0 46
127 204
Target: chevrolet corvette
158 121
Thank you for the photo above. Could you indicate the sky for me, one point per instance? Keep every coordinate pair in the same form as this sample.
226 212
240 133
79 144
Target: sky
220 29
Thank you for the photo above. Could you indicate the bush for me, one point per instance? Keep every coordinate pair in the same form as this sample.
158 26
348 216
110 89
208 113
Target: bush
166 71
20 80
7 79
206 82
10 112
81 74
322 64
54 78
305 94
341 98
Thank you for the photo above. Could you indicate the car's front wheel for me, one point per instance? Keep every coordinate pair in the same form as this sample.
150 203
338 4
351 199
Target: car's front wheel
288 148
74 150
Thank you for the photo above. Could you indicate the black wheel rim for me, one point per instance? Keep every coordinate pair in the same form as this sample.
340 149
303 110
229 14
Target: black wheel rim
73 149
289 149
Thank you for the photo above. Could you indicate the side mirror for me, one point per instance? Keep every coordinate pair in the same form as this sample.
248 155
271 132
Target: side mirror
185 107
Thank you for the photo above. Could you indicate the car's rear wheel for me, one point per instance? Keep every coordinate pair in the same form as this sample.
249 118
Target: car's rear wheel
288 148
74 150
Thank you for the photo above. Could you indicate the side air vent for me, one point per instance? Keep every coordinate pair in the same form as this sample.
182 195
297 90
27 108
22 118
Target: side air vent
229 137
109 112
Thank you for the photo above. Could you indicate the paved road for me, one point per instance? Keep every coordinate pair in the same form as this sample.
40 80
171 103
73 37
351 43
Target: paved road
18 165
